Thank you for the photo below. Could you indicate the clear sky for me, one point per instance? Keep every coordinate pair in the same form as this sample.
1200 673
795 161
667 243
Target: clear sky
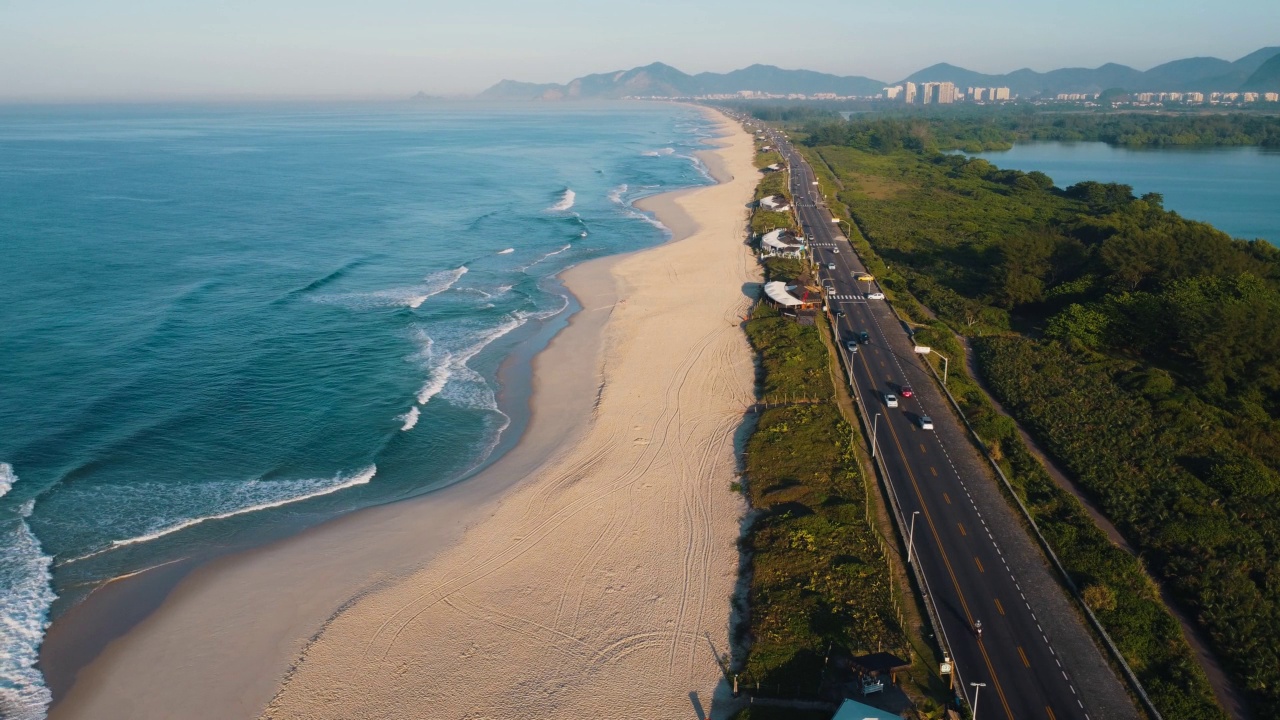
66 49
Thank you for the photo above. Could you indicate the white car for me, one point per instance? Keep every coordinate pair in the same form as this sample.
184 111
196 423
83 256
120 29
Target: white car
890 400
835 251
831 266
876 296
926 422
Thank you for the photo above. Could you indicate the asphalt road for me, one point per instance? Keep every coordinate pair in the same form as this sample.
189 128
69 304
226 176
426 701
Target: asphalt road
971 575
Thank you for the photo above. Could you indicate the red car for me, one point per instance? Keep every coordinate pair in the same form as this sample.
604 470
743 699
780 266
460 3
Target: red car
907 391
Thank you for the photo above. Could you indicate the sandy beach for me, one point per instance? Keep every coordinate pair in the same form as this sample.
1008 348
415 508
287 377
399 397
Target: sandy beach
587 573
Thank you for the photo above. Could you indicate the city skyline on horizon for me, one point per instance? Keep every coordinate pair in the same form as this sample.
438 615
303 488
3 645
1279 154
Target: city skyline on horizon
391 48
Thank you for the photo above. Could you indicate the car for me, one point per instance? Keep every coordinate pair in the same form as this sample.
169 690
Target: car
831 266
907 391
890 400
926 422
875 296
852 347
863 337
835 251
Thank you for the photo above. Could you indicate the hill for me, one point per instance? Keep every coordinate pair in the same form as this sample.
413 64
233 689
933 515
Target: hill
661 80
1259 70
1267 77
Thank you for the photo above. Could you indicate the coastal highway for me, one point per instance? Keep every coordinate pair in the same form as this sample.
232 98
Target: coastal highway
1034 658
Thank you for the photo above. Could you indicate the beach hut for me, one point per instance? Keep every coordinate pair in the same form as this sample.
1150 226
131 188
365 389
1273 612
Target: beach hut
781 243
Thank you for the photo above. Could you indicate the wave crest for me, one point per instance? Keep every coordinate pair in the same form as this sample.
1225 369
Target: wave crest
241 499
566 201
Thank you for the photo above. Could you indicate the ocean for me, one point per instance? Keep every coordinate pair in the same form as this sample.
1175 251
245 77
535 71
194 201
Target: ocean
1236 189
223 323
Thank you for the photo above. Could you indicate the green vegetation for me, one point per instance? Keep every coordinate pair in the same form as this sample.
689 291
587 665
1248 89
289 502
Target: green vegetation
792 357
998 129
773 183
1143 349
819 583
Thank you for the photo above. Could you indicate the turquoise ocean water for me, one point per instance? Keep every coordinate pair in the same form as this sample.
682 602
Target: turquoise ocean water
1235 189
217 320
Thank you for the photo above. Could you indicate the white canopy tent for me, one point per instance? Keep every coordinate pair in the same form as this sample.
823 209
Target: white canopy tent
777 292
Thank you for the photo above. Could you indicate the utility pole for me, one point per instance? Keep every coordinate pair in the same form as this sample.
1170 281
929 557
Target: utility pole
875 422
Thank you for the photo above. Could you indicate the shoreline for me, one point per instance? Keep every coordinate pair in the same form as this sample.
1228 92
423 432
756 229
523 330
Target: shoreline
140 673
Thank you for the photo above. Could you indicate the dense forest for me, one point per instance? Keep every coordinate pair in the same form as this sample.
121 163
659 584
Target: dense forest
1141 348
975 130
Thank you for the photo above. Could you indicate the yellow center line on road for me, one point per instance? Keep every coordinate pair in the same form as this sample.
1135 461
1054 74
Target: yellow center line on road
946 560
1023 655
923 449
1049 711
999 606
947 498
933 470
962 532
979 564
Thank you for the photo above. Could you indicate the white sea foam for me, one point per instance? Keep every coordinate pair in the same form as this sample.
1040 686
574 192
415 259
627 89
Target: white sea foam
615 196
410 297
237 499
508 251
410 418
452 379
565 202
553 253
25 598
7 478
658 153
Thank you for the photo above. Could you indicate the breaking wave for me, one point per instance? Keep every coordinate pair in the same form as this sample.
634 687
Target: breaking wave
565 203
410 418
410 297
25 598
234 499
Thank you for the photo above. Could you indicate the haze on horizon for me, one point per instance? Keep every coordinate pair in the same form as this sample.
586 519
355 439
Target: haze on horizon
142 49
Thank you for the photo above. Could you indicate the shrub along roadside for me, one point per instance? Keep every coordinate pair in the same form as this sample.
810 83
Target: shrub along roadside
819 584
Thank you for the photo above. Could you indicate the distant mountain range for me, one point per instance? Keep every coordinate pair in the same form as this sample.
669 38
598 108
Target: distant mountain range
1259 70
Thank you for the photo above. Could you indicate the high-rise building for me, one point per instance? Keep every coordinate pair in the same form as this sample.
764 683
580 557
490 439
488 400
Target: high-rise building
1194 97
947 93
1000 93
891 93
1271 97
909 93
1251 97
976 93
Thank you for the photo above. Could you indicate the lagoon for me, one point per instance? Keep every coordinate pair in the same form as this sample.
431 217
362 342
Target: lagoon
1236 189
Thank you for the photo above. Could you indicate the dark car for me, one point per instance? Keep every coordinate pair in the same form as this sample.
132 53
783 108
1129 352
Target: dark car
863 337
907 391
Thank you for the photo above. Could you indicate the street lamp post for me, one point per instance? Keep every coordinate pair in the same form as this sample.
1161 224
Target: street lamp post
977 688
911 536
946 364
875 422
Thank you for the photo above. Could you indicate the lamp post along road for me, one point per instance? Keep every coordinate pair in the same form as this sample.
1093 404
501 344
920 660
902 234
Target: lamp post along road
977 688
911 536
875 422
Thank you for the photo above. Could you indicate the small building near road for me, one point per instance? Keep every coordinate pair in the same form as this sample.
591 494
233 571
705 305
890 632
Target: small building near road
774 203
782 243
771 168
